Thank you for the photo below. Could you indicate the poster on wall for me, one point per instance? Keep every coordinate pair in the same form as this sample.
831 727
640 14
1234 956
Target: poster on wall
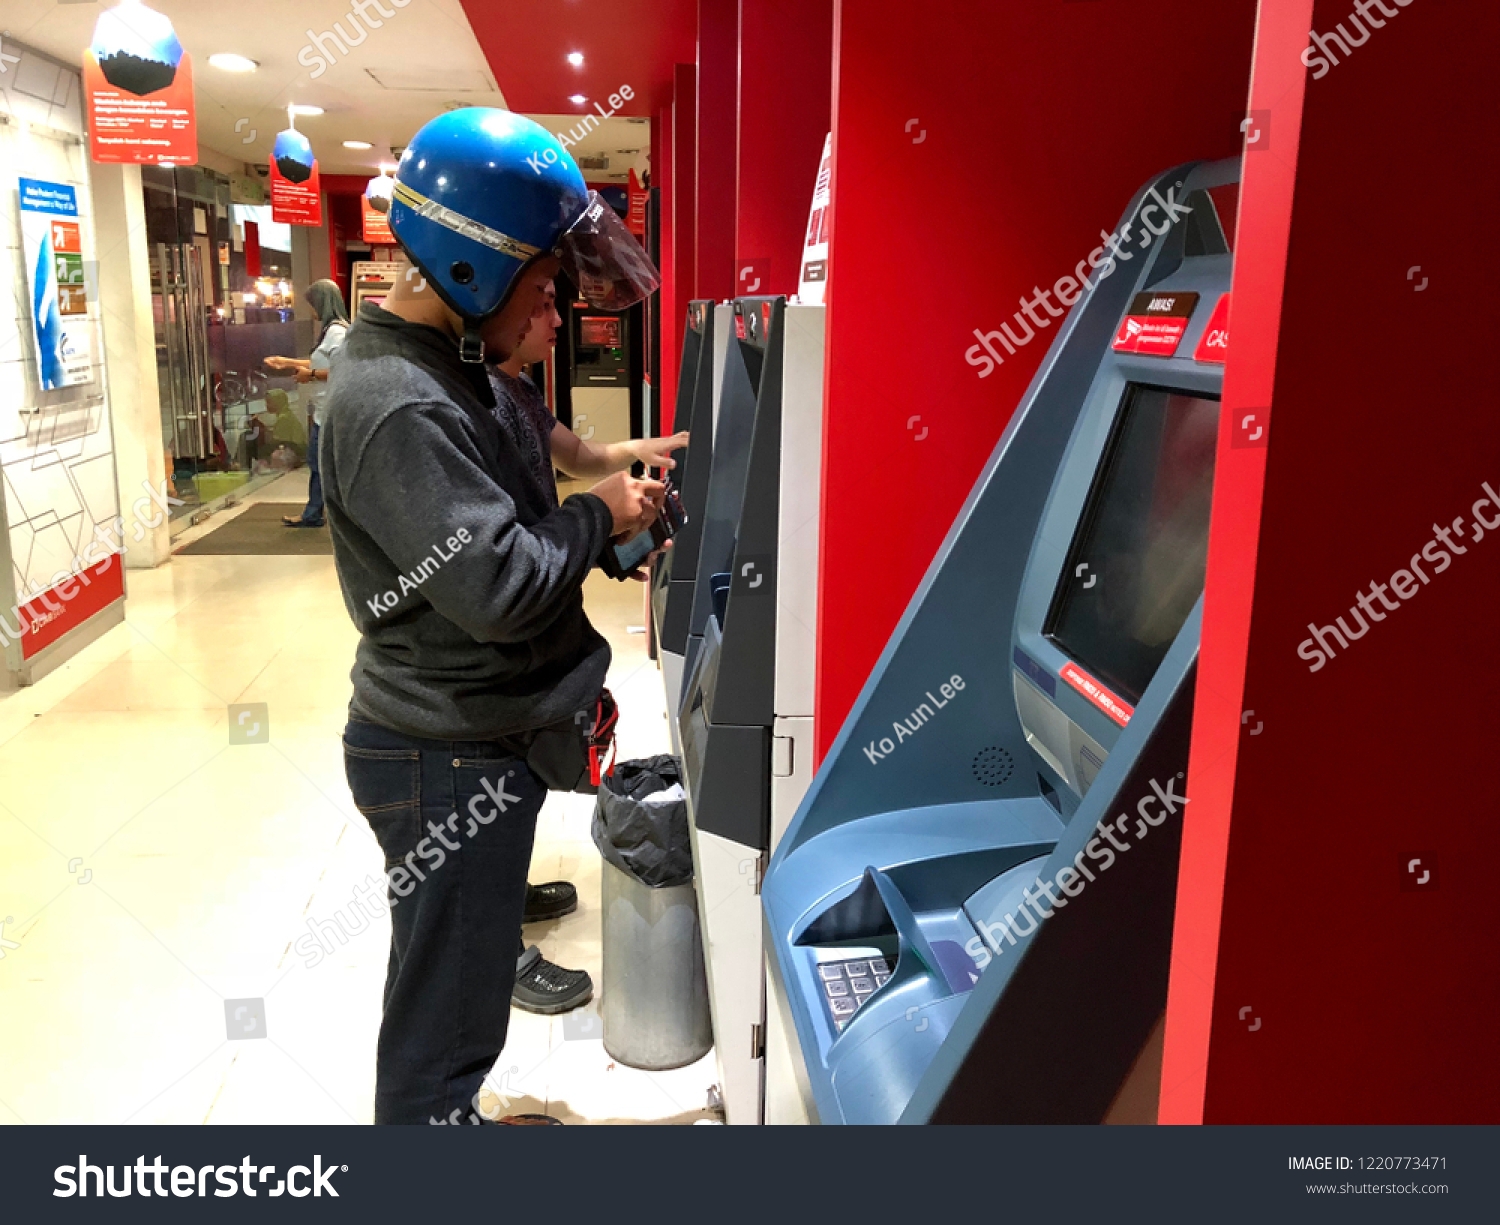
814 278
52 239
139 85
296 197
635 212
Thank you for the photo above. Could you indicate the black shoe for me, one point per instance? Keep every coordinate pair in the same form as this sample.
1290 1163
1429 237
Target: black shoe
550 901
548 989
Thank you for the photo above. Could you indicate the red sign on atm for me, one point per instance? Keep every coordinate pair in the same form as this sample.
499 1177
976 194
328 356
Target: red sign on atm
1155 324
1214 347
1115 707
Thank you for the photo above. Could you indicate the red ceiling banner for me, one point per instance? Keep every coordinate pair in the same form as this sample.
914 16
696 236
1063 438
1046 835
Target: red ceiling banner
377 225
296 195
139 84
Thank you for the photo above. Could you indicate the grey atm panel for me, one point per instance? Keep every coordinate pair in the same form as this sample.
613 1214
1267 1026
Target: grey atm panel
1045 671
728 697
676 572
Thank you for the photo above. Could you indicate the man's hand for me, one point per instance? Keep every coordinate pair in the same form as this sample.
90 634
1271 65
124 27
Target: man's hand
281 363
633 504
304 375
657 452
642 573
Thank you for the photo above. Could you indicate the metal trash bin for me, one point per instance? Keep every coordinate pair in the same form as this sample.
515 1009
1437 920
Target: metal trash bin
655 1005
655 990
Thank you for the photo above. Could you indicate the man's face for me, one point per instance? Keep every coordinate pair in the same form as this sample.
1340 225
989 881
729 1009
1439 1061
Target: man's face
540 336
533 296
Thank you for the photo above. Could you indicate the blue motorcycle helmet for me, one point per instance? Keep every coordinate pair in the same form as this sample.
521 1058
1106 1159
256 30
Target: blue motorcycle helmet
480 193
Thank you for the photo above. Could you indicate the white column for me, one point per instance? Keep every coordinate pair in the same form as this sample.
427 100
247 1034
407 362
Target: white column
130 352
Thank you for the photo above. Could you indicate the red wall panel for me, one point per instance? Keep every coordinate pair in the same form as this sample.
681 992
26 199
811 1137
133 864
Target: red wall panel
664 378
1314 979
785 94
718 54
978 153
684 199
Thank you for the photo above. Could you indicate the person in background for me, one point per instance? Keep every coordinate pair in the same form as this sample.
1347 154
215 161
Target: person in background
543 441
327 300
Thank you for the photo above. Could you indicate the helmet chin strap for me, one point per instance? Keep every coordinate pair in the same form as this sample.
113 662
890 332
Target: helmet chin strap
471 347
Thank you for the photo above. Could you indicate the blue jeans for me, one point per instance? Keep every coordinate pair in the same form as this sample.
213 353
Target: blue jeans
313 513
455 821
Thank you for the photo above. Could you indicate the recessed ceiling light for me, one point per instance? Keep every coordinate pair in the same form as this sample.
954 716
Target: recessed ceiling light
307 110
227 62
577 99
575 58
358 144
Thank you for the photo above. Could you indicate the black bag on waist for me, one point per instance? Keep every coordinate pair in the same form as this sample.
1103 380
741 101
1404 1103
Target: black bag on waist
570 755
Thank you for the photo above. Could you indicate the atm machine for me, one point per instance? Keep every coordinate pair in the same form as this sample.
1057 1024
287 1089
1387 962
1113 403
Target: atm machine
373 281
970 917
676 573
602 374
745 722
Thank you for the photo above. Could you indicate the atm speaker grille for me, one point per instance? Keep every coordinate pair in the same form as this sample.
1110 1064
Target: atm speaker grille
993 766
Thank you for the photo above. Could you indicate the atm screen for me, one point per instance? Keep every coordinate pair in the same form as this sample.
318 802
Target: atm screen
601 331
1136 566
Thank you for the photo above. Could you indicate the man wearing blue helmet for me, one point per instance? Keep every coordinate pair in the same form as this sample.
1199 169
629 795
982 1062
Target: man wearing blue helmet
464 581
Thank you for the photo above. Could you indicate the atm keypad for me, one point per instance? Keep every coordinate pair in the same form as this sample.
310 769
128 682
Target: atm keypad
848 984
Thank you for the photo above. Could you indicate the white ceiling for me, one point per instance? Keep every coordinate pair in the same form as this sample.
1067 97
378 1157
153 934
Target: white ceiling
419 63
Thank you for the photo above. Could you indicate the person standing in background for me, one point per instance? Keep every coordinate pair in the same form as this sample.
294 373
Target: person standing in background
542 440
327 300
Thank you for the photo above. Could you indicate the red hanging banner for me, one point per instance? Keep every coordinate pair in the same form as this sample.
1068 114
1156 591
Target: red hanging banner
377 225
139 84
296 198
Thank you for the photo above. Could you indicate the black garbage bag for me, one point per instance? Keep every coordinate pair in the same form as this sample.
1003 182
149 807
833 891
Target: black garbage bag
641 821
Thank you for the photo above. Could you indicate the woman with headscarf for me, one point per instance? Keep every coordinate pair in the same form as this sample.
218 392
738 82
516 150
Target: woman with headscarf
333 322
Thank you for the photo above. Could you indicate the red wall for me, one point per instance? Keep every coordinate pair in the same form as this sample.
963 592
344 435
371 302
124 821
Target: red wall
683 203
718 55
1031 127
1311 982
665 305
785 83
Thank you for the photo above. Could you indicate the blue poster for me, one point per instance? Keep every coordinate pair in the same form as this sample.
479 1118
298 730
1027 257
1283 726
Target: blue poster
52 238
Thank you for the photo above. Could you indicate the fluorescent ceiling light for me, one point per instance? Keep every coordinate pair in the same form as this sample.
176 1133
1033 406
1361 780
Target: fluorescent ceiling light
358 144
227 62
575 58
307 110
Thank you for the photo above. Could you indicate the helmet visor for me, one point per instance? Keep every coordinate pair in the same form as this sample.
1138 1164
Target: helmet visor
603 258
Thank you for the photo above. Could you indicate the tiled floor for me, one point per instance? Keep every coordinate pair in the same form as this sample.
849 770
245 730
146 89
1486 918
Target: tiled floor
153 877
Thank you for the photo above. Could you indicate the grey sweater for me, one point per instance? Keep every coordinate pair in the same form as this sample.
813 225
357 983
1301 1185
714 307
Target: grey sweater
466 586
